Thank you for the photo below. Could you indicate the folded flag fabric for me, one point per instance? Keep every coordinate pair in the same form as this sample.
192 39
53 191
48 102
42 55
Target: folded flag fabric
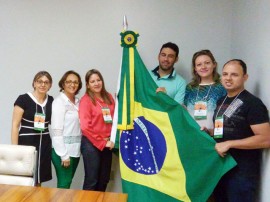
163 154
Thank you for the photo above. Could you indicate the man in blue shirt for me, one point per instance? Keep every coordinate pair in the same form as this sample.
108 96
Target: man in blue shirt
165 75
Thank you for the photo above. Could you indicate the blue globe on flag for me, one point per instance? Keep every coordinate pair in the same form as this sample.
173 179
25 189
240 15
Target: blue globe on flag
143 149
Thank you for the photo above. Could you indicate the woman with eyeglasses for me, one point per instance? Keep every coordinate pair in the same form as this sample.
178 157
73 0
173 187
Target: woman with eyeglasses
204 90
66 131
31 117
96 112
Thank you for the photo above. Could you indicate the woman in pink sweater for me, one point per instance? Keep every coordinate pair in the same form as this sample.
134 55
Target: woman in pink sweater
96 111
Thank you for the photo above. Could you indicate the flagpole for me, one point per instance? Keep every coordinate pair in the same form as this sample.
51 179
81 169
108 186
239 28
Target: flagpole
115 117
125 23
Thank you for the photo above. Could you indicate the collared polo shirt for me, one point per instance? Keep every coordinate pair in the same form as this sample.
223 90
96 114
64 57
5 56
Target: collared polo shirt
174 84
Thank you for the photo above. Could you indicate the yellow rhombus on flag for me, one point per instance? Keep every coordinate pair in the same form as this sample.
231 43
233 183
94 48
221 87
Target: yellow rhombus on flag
163 154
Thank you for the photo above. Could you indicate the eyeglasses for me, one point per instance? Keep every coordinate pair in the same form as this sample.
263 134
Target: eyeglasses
75 83
46 83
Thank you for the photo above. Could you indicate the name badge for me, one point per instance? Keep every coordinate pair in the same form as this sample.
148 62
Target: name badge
200 110
39 122
218 131
106 115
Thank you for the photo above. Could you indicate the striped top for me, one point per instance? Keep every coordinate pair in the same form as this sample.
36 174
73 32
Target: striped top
30 106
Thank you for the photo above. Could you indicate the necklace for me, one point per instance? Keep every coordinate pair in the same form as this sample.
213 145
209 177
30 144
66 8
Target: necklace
206 84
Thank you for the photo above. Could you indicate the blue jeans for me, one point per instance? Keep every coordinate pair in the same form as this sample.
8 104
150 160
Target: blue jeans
236 187
97 166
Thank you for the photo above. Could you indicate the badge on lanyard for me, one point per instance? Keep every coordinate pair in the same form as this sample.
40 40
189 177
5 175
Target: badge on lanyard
39 121
200 110
106 115
218 131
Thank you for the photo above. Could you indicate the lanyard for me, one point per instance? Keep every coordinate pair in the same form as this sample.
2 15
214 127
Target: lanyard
43 111
106 113
205 97
100 104
43 108
229 105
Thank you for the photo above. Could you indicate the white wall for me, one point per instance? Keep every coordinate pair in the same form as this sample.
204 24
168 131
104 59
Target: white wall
250 41
60 35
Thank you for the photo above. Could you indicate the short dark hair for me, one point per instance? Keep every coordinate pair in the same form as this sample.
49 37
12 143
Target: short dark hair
64 77
240 62
172 46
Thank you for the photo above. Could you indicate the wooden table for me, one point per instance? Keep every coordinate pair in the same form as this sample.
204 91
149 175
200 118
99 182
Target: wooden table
13 193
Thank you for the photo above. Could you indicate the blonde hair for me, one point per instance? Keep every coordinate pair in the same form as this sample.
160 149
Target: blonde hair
196 79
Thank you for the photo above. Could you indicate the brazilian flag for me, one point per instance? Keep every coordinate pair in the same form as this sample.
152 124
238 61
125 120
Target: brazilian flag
163 154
